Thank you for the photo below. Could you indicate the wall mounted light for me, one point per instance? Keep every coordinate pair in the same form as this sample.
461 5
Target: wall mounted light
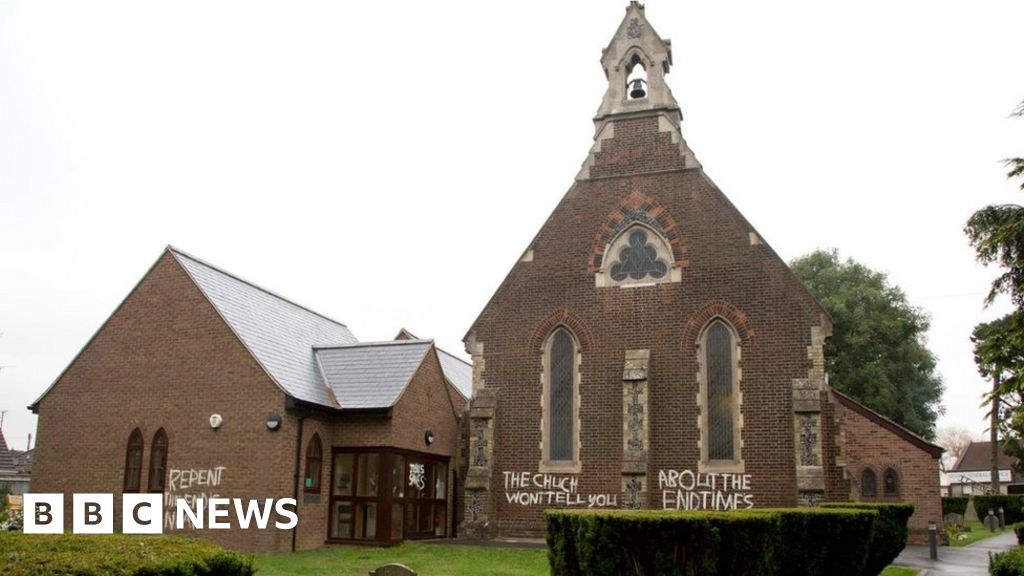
428 437
216 421
273 421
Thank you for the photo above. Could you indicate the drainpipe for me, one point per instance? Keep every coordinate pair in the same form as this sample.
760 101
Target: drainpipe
295 486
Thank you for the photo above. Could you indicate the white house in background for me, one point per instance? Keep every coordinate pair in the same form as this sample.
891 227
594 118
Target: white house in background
972 474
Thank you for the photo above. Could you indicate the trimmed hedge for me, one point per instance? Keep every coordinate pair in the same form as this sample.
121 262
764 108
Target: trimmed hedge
1009 563
1018 529
954 505
890 533
1013 507
808 541
116 555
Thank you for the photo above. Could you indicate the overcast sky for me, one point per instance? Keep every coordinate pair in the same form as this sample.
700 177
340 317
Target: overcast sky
386 163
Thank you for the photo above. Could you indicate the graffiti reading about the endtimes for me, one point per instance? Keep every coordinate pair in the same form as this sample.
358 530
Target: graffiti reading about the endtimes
530 489
689 490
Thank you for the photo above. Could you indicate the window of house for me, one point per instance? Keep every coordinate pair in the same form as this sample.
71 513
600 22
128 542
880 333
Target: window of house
314 457
720 395
158 462
891 483
133 462
638 255
388 495
560 402
868 483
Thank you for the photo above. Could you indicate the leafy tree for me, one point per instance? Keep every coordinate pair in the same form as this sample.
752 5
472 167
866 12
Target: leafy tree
877 353
997 234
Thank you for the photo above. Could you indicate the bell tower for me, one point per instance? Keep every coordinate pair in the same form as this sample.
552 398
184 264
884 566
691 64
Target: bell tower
635 63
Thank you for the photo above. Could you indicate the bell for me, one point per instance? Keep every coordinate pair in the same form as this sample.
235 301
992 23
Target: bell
638 90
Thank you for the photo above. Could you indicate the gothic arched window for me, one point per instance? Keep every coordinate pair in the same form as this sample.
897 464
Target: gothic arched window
158 461
720 395
868 483
314 457
133 462
891 483
561 400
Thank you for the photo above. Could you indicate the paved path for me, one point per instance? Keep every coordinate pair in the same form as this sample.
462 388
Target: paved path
967 561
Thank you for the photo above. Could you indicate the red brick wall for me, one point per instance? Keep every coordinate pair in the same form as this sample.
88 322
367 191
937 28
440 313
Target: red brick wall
868 444
721 264
425 405
166 359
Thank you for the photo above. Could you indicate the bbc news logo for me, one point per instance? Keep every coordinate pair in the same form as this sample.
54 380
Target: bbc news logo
143 513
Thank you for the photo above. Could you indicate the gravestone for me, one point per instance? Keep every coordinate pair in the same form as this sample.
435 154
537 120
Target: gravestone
970 513
991 521
953 519
393 570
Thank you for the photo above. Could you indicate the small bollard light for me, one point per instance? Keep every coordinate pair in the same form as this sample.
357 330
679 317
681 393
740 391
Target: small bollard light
933 540
1002 519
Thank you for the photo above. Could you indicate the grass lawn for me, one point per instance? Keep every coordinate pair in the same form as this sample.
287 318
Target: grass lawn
427 559
978 532
898 571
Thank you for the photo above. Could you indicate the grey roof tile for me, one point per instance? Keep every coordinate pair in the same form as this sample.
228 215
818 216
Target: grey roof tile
457 371
279 333
373 374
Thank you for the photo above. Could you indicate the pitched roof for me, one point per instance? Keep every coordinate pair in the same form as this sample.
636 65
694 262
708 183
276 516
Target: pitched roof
6 459
978 456
371 375
279 333
457 371
934 450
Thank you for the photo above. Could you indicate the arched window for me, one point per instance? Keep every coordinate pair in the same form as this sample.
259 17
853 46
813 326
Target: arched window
561 402
314 456
720 397
638 255
891 483
868 483
636 81
133 462
158 461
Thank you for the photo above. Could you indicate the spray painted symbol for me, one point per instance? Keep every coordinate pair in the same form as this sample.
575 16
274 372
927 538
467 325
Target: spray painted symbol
417 475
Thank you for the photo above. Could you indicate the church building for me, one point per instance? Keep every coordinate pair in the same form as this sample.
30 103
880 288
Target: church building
650 350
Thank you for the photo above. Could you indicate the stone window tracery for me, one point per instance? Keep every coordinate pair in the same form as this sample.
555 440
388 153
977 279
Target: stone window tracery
720 398
638 255
560 402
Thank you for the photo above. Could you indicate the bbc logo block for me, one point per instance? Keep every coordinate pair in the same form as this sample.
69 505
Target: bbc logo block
93 514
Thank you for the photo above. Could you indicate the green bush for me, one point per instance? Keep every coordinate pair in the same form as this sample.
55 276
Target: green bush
116 555
955 505
1018 529
751 542
1013 507
1009 563
890 533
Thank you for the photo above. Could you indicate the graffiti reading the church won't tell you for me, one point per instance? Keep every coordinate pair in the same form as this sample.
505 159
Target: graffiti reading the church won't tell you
531 489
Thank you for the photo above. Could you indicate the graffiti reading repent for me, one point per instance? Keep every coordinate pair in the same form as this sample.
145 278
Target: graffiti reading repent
689 490
190 484
530 489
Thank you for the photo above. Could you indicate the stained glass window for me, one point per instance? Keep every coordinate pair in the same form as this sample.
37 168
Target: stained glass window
133 462
158 462
868 483
891 486
562 359
638 259
720 393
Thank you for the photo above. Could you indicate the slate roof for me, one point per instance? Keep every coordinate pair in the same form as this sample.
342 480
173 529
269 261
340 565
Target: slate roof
372 374
934 450
6 458
978 456
457 371
280 334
